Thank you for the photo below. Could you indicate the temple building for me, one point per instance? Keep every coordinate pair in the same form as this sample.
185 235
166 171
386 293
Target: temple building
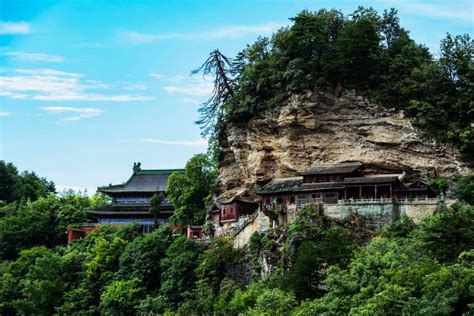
226 214
344 188
131 200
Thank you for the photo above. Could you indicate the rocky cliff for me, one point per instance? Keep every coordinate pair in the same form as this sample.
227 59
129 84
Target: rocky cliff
324 128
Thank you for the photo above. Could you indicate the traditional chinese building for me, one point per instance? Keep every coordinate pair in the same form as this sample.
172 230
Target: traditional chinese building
342 188
79 232
131 200
226 214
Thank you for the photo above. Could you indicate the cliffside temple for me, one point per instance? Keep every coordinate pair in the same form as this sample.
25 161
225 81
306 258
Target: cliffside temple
343 189
131 200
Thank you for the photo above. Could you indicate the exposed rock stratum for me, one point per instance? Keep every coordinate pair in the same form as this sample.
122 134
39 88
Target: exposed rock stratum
324 128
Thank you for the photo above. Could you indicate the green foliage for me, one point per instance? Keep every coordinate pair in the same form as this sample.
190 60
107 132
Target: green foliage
426 272
141 257
215 262
227 289
208 228
104 261
190 191
464 189
178 277
33 284
243 300
412 269
27 228
332 246
273 302
15 186
439 185
401 228
153 305
448 233
121 297
42 222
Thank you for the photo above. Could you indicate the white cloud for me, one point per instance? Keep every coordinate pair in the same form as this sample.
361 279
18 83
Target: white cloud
454 10
10 28
90 97
157 75
78 113
13 95
5 113
48 72
55 85
178 78
188 100
195 86
198 142
35 57
133 86
227 32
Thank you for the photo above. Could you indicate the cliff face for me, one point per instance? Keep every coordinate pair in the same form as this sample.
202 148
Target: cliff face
323 128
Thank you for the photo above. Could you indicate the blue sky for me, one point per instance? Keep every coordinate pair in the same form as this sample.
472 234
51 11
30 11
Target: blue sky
89 87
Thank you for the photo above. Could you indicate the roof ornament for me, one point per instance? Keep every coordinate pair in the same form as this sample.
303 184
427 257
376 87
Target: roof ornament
137 167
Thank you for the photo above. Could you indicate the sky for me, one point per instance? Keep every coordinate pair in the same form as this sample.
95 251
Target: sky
87 87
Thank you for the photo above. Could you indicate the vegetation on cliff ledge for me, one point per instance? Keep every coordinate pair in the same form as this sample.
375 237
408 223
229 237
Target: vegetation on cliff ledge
365 51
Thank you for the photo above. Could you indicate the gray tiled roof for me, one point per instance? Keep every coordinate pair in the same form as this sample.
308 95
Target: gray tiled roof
143 181
281 185
346 167
321 186
371 179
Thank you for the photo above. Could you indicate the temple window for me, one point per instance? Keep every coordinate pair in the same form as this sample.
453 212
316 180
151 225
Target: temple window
280 200
292 200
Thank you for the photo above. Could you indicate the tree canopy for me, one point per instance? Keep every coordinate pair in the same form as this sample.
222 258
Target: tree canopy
189 192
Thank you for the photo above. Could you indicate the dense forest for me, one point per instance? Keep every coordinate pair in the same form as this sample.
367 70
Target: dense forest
322 266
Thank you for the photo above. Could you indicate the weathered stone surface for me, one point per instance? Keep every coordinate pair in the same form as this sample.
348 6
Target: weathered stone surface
323 128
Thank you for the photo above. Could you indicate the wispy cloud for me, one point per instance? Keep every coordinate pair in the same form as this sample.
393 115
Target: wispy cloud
5 113
198 142
11 28
157 75
35 57
13 95
188 101
133 85
77 113
191 86
48 72
55 85
227 32
460 11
